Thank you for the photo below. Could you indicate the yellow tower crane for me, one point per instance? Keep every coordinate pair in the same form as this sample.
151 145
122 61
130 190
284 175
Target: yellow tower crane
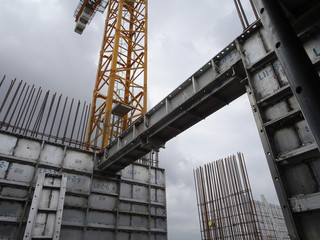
120 91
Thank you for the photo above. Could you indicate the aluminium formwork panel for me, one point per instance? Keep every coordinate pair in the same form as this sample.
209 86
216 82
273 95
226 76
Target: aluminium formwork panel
289 145
127 205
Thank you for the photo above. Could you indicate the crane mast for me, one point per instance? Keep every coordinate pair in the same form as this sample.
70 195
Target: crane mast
120 90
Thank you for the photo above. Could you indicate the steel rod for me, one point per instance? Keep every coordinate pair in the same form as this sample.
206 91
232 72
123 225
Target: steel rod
24 108
33 110
54 117
80 124
15 107
4 77
19 112
48 114
7 94
67 123
74 122
11 103
61 118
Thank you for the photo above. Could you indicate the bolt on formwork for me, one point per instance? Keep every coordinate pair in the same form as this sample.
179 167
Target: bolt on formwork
225 203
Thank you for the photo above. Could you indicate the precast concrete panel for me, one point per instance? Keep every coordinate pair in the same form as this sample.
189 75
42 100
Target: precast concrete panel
117 206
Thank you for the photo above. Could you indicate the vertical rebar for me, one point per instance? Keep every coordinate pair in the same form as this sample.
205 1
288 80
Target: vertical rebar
19 112
7 95
54 117
48 115
40 115
74 122
239 14
15 108
27 106
10 105
85 126
61 118
4 77
24 107
32 112
78 133
225 203
67 123
254 9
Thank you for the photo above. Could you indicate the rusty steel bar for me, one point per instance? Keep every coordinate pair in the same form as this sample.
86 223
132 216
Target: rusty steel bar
28 112
84 127
61 118
79 128
74 123
10 105
247 182
27 106
24 107
199 205
48 114
243 13
15 108
7 95
218 221
67 123
197 197
205 204
4 77
239 14
203 209
211 201
32 112
54 117
225 203
19 112
254 9
40 116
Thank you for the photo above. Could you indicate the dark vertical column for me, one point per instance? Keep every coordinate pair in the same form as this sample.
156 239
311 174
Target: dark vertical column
301 74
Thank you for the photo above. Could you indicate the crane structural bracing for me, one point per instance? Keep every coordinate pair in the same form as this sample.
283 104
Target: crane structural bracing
120 91
86 10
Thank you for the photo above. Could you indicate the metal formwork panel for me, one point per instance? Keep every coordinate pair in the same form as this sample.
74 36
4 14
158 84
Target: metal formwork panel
290 147
127 205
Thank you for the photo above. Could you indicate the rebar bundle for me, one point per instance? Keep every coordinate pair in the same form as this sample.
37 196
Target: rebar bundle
29 111
225 203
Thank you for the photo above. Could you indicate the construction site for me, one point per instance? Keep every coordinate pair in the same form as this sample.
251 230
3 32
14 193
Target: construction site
85 153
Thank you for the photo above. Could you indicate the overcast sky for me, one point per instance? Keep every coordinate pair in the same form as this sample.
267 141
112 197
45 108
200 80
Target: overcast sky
38 44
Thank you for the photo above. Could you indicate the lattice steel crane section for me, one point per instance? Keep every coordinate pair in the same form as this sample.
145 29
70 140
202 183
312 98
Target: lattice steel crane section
119 96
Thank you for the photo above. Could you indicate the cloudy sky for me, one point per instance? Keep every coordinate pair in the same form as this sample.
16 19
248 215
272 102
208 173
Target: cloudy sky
38 45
